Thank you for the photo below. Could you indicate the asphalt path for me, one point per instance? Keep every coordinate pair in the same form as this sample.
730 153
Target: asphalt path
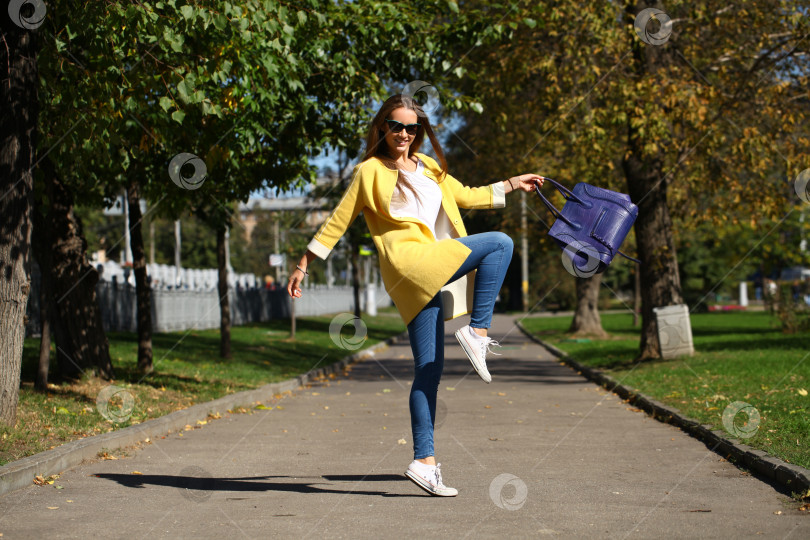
538 452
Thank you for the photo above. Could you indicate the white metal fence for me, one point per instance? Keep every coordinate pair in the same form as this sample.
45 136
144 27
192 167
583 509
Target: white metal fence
183 309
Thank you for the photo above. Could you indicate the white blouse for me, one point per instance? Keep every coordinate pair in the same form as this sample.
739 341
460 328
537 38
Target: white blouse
425 208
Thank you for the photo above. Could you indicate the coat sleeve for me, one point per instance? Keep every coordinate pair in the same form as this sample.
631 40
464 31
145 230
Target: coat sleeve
491 196
350 205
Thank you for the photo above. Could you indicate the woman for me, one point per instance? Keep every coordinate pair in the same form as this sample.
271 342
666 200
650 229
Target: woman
411 206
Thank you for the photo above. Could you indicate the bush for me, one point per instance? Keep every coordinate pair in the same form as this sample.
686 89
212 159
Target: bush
792 313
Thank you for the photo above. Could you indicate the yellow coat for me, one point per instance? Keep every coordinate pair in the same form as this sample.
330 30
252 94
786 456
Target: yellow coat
414 265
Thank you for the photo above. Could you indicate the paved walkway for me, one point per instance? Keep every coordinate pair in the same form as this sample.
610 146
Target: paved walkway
539 452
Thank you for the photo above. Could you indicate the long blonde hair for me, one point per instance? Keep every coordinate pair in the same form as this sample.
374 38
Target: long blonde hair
375 139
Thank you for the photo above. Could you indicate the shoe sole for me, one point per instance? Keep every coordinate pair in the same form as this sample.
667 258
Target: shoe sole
471 356
419 481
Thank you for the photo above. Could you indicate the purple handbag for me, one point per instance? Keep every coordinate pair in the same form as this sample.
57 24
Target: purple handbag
591 226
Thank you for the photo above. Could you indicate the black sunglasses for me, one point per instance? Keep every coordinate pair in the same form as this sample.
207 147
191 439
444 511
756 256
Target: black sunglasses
396 127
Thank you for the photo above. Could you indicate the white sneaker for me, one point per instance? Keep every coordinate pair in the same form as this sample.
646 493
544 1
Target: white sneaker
476 348
429 478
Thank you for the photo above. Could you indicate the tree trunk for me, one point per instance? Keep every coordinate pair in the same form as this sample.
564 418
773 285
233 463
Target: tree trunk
660 281
586 320
18 101
43 257
143 290
41 382
81 342
224 305
647 185
355 247
636 294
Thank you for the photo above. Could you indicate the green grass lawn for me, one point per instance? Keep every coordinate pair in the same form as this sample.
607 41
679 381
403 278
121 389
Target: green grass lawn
188 370
739 356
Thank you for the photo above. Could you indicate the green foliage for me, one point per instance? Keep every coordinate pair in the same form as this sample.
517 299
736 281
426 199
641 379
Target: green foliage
253 89
712 261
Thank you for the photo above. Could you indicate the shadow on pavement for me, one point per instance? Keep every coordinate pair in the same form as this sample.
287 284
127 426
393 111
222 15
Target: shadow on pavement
254 483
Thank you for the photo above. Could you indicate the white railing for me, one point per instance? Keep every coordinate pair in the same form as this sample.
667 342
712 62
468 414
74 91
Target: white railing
184 309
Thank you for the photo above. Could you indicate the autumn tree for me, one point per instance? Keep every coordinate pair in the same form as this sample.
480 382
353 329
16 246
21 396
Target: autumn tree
17 159
683 110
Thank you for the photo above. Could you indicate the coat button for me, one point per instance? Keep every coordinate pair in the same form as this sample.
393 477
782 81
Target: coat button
456 222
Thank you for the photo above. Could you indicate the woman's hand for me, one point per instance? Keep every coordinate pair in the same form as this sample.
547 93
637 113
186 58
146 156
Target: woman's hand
526 182
298 275
294 286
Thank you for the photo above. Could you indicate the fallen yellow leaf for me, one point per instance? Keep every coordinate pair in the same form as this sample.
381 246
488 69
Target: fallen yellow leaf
802 392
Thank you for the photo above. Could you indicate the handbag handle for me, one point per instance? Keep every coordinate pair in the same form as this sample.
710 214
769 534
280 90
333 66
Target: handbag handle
568 195
628 257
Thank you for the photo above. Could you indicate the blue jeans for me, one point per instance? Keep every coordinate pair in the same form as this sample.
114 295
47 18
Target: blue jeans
491 254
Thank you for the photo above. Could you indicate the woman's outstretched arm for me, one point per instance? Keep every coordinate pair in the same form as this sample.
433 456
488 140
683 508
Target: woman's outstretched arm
350 205
526 182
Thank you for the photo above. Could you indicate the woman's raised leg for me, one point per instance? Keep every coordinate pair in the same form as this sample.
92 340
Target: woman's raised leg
491 254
